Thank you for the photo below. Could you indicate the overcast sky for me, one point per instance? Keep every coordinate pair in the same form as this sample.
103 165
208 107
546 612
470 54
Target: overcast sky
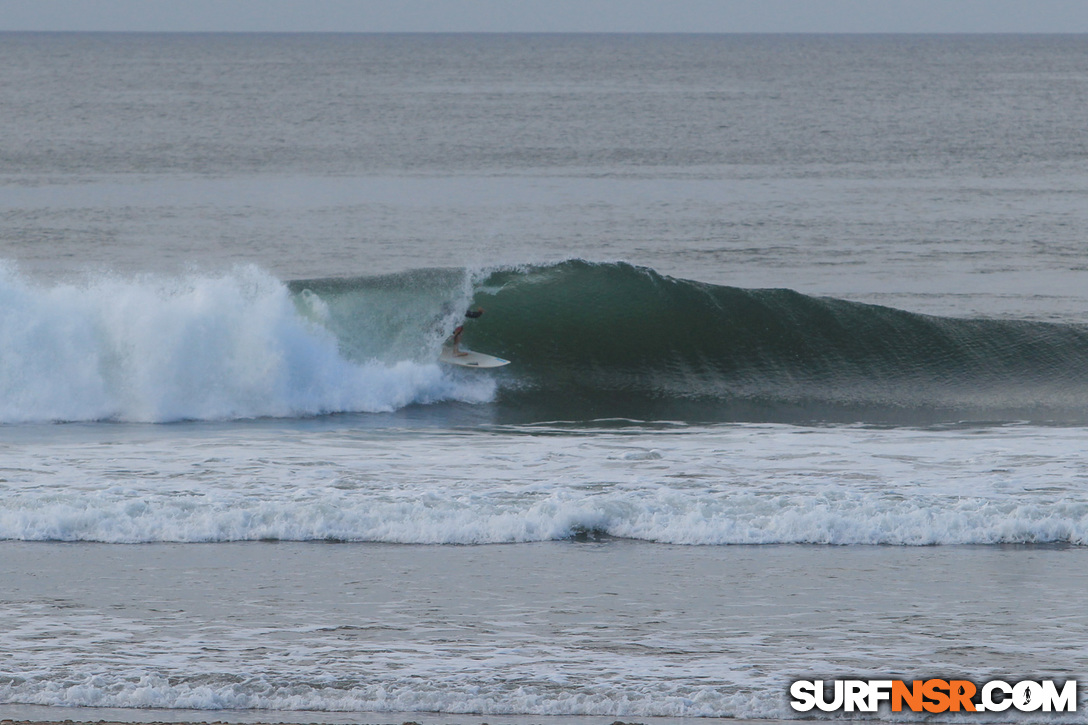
716 16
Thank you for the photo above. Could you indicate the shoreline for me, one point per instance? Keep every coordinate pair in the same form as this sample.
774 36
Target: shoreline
49 715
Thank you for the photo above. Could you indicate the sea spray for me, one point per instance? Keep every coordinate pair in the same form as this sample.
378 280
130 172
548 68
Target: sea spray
195 346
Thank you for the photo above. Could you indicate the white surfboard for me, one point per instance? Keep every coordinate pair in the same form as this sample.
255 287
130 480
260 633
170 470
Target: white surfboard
470 359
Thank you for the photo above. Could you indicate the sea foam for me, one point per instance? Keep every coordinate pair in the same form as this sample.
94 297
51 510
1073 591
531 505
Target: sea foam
694 486
194 346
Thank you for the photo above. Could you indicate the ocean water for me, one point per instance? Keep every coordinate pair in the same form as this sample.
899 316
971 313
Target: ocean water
799 383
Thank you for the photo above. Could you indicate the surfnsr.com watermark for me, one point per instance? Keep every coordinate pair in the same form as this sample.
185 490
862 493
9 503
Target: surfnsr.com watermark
934 695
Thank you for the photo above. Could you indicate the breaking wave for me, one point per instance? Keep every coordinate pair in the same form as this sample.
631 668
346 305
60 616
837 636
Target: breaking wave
588 341
156 349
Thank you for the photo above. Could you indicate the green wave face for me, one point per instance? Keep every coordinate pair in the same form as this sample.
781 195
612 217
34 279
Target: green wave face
603 340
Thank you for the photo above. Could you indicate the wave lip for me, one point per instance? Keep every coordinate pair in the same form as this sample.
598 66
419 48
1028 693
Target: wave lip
157 349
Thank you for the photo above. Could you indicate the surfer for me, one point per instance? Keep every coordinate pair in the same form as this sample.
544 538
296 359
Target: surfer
472 314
